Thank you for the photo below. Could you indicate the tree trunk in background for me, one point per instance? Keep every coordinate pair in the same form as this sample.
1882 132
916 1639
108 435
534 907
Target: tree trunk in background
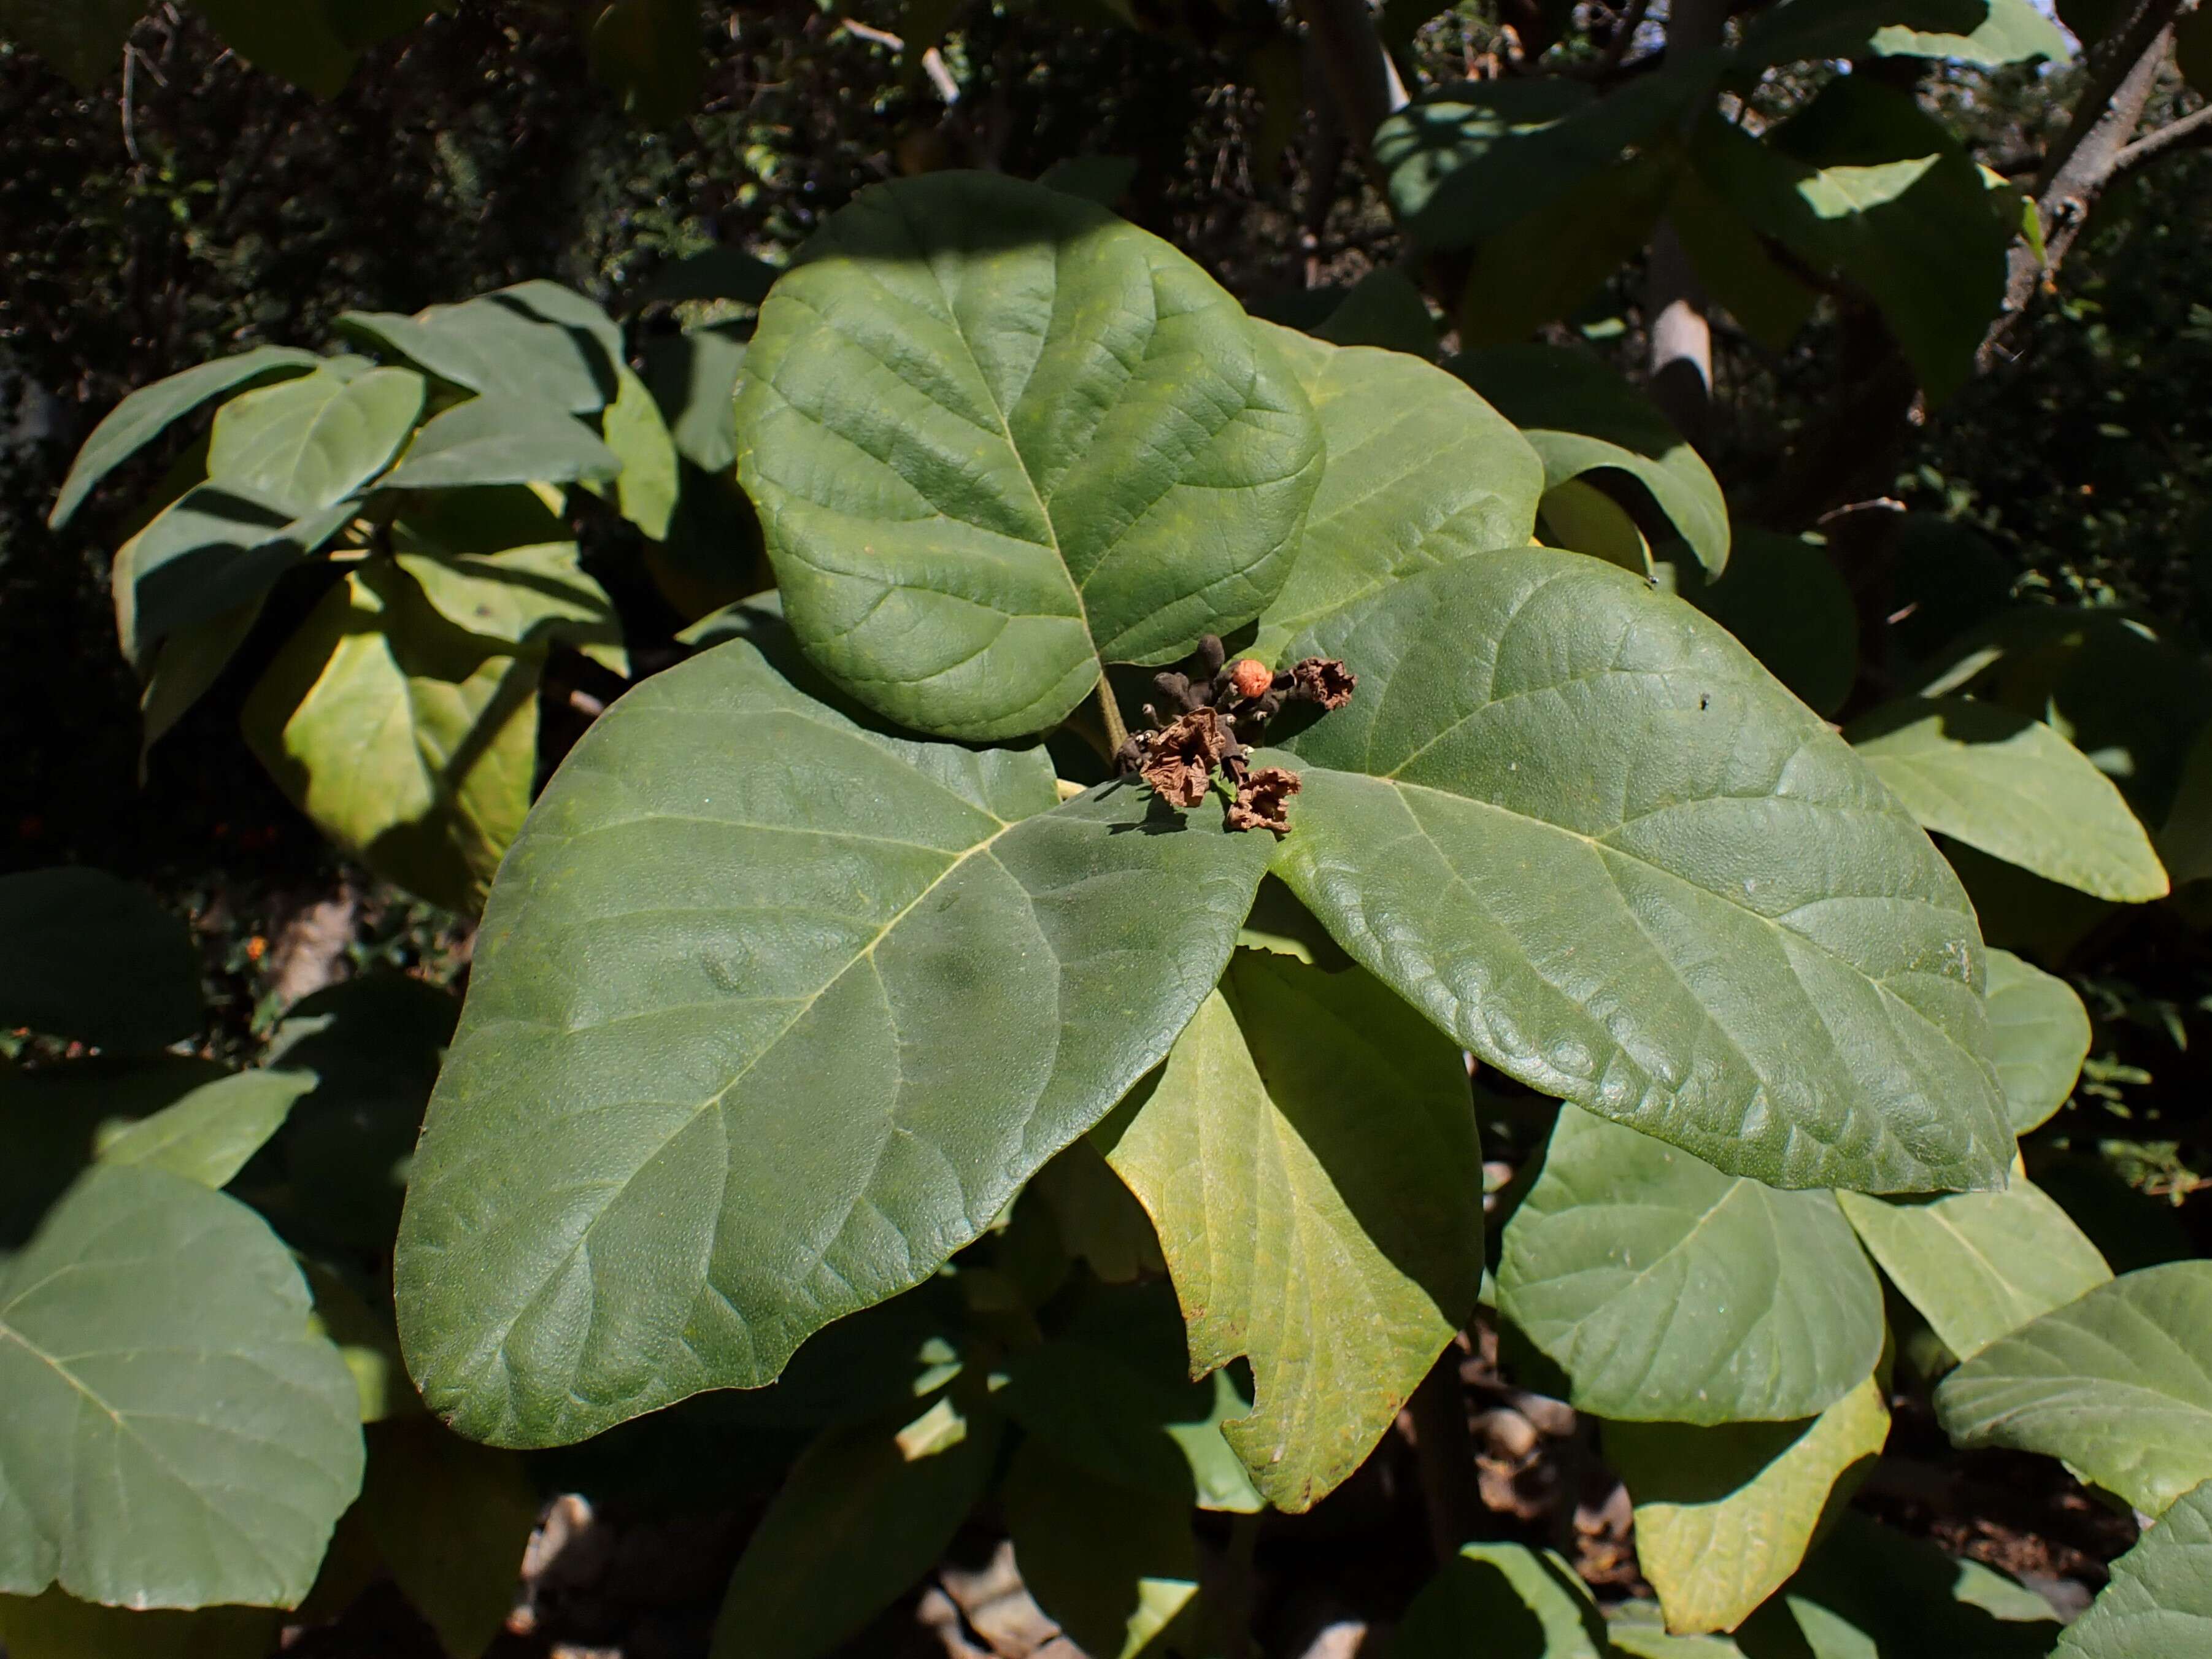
1364 81
1674 303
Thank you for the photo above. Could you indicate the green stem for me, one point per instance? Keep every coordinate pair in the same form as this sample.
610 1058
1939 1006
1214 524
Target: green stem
1117 733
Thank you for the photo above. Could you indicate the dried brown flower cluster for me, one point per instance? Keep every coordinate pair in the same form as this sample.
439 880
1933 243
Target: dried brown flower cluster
1222 705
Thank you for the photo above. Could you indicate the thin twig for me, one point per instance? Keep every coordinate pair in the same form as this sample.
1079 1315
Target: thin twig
130 89
2187 132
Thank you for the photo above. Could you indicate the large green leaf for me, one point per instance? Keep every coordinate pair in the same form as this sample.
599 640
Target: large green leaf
208 554
1465 161
1864 184
1113 1566
2159 1604
1582 417
1978 1265
866 1512
2118 1383
1571 821
1504 1601
1725 1514
313 441
2038 1038
1420 472
1667 1292
410 742
499 439
535 343
148 412
998 438
1311 1148
1995 779
848 992
1986 32
173 1435
89 956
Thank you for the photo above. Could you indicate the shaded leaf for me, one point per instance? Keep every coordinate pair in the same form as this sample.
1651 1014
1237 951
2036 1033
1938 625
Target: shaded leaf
2159 1604
1784 602
174 1435
295 43
714 273
2118 1383
1610 855
451 1519
1310 1148
148 412
1547 264
1667 1292
1978 1265
2038 1038
210 552
998 438
1583 518
1725 1514
1516 1602
410 742
646 488
1382 308
366 1342
54 1118
1099 1220
1736 267
1986 32
1580 415
1101 178
694 377
185 664
856 1522
88 956
311 443
524 596
496 439
1997 779
1113 1566
55 1626
831 949
1420 472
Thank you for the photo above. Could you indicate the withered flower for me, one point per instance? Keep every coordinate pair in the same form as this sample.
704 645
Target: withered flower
1263 800
1323 680
1178 761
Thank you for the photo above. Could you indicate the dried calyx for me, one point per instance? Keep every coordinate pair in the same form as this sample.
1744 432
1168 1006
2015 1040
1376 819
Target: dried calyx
1215 711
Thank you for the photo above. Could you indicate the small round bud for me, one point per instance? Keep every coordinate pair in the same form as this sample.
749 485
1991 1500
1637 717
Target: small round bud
1251 676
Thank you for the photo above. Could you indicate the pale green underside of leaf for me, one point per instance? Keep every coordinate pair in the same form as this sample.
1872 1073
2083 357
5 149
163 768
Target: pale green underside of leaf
1309 1160
2118 1384
411 742
146 413
998 437
2014 788
2038 1038
1667 1292
1420 472
1978 1266
856 1522
2159 1604
1576 824
1723 1514
769 1015
173 1434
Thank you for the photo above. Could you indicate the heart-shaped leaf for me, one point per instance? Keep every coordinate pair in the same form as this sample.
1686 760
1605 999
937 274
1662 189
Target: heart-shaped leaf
999 438
1310 1148
2118 1383
1571 821
174 1435
2159 1604
1978 1265
1996 780
1580 416
2038 1038
1667 1292
88 956
1723 1514
148 412
311 443
848 992
1420 472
